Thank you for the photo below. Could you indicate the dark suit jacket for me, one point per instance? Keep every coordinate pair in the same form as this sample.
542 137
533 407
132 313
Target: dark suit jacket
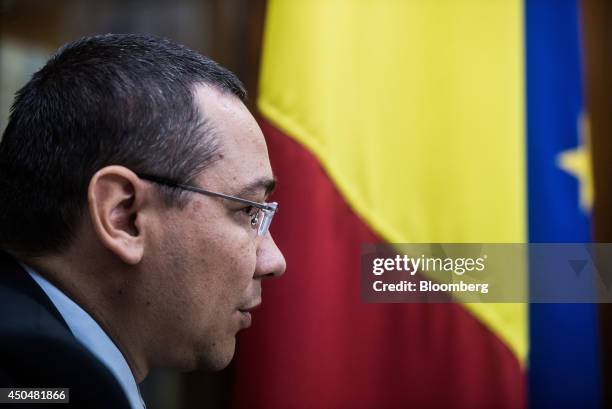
37 348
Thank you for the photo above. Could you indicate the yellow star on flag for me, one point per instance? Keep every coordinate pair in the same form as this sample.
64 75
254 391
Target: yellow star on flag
577 162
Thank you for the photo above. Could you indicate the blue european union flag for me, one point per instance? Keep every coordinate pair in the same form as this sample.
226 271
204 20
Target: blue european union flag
564 367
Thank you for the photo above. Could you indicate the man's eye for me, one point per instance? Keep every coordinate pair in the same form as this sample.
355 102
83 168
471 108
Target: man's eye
252 214
250 210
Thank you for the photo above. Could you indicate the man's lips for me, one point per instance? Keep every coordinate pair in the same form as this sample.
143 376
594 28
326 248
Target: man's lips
245 314
250 308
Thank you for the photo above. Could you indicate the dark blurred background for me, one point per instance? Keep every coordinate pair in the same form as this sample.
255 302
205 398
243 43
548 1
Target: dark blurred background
228 31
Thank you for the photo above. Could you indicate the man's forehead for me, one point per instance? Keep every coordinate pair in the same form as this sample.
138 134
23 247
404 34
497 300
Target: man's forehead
242 163
228 117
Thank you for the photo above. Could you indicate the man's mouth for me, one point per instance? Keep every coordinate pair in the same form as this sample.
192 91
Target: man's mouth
251 308
245 314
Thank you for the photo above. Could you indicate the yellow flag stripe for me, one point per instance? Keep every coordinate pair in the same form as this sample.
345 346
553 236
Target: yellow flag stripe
415 109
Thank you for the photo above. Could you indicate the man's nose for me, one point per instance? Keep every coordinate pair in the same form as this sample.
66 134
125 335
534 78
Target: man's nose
270 260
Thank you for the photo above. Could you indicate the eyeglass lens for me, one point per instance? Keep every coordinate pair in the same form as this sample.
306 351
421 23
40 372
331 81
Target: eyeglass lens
267 219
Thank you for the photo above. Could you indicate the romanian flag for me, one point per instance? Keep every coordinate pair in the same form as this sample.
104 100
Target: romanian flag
406 122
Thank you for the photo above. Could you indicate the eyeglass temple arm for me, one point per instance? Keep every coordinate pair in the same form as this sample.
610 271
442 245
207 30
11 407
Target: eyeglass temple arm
162 181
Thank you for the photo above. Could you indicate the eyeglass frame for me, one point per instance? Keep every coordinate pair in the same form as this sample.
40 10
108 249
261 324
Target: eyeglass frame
268 209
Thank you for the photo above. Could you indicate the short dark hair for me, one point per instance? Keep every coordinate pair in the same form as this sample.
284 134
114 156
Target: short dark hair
113 99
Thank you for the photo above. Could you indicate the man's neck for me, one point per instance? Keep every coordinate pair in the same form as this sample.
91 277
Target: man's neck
106 301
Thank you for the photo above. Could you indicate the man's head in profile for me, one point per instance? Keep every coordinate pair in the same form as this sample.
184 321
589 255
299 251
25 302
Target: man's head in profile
135 181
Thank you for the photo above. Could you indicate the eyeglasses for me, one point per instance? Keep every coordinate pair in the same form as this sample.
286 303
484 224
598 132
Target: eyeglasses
261 224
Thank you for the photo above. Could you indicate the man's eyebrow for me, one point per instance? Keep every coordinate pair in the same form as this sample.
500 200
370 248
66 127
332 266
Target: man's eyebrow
256 186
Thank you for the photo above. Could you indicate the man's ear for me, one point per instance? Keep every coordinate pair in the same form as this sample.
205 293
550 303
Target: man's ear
116 197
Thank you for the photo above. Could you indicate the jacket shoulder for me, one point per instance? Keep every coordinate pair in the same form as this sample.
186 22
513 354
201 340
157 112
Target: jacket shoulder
37 348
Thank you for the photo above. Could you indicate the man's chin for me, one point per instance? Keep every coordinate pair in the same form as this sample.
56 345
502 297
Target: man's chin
218 357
